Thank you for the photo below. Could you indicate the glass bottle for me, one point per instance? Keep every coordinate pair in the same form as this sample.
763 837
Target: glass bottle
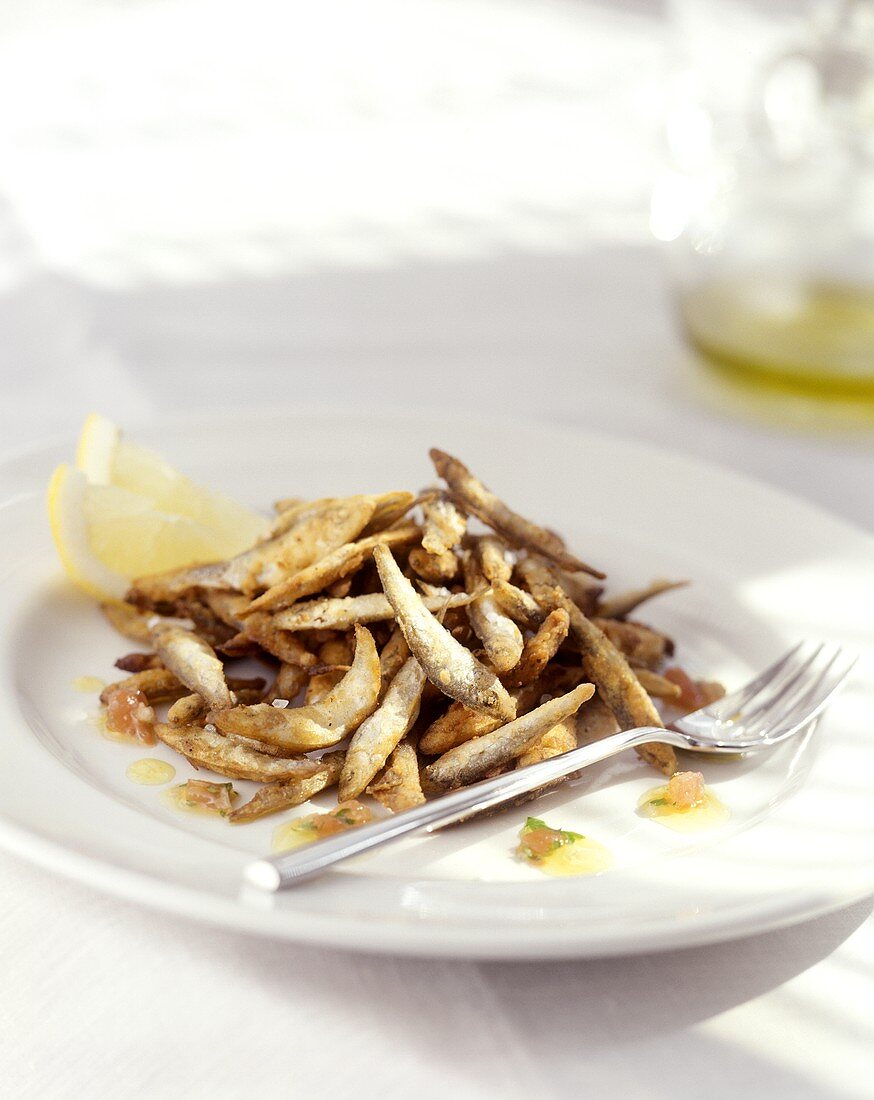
768 200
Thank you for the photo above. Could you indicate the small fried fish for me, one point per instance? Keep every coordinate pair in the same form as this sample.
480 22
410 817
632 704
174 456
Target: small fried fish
604 665
227 756
194 662
378 735
399 786
444 525
475 759
501 638
317 725
451 667
342 614
332 567
476 499
540 649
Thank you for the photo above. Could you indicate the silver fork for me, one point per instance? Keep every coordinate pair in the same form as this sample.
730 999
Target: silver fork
776 705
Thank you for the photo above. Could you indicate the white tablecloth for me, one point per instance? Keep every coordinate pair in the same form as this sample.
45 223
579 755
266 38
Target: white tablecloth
142 273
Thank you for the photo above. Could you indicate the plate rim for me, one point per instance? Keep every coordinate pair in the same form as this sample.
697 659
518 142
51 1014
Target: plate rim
408 940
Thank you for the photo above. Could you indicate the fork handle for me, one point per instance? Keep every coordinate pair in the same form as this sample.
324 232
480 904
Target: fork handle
293 867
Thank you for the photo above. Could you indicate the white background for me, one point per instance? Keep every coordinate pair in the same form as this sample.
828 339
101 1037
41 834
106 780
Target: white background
430 204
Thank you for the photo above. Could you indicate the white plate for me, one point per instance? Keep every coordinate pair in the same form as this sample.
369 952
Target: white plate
768 570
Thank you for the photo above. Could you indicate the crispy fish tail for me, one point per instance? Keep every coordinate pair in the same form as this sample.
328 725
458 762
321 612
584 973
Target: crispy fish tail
293 792
617 607
399 787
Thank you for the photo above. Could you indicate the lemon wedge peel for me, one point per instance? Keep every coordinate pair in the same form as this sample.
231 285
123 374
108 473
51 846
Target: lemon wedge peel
70 531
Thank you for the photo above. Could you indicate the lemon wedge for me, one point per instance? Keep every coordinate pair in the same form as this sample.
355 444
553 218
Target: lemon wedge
123 512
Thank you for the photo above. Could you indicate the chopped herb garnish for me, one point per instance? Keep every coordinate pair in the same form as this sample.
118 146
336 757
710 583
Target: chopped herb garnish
567 836
535 848
658 802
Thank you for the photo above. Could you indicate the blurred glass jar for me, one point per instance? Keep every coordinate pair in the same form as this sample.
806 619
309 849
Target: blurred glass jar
768 200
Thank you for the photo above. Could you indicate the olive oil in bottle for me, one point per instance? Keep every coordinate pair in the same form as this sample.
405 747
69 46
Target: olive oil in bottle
813 336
